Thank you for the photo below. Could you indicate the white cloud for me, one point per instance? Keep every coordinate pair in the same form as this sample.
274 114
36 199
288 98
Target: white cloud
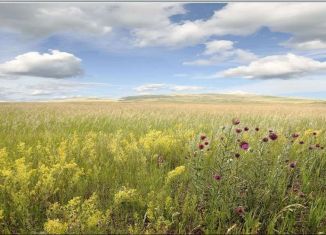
217 46
203 62
55 64
46 19
305 21
35 88
282 87
277 66
149 24
186 88
150 88
222 50
308 45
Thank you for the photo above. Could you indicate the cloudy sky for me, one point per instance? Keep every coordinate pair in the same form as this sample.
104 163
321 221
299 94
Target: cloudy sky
111 50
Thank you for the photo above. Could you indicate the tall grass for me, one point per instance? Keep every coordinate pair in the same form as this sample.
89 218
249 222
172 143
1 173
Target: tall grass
162 168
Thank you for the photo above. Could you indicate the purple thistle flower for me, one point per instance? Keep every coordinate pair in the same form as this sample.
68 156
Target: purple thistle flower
273 136
238 130
244 145
292 165
217 177
201 146
235 121
295 135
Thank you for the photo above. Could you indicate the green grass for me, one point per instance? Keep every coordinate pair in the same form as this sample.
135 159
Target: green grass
135 167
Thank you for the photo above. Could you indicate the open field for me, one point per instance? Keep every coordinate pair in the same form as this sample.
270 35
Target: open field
158 166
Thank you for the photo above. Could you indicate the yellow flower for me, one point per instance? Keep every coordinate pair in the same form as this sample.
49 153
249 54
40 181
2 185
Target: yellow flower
156 140
312 132
125 195
175 173
55 227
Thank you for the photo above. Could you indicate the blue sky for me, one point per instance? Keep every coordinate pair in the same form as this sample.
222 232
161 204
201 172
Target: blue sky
112 50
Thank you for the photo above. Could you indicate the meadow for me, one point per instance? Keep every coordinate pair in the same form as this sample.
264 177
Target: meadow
163 167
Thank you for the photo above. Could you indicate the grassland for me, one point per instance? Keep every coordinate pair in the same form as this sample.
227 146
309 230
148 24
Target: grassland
163 165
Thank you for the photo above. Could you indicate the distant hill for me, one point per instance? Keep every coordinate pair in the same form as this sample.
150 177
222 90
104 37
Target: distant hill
217 98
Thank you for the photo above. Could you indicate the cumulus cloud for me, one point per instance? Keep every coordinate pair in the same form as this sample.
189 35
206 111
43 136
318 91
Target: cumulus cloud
43 19
218 51
217 46
276 66
302 20
308 45
150 24
55 64
150 88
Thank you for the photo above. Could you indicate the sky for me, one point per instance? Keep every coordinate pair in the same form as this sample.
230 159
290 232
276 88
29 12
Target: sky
111 50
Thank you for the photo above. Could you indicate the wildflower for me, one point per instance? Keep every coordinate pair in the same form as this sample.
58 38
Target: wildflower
126 196
265 139
270 131
256 129
301 142
55 227
292 165
295 135
235 121
206 143
273 136
317 145
238 130
244 145
246 129
202 137
201 146
239 210
178 171
237 155
217 177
